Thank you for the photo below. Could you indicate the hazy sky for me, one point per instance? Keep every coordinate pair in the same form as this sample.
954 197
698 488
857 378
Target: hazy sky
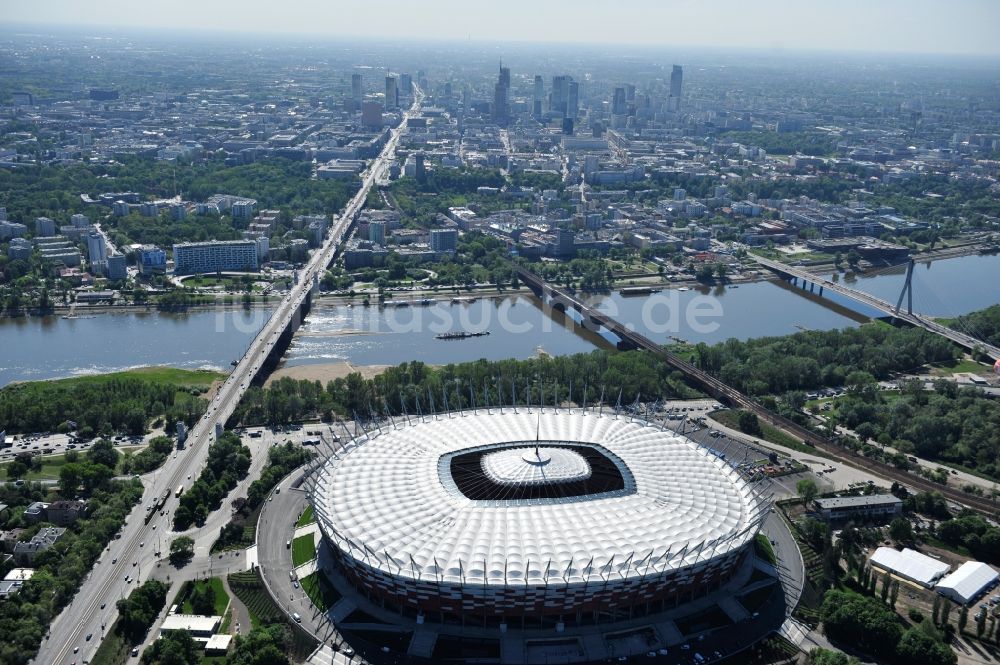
916 26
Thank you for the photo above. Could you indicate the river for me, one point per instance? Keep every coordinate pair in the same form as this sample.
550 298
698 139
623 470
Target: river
49 347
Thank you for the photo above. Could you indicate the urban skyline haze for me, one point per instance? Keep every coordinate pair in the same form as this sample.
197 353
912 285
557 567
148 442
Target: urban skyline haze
909 26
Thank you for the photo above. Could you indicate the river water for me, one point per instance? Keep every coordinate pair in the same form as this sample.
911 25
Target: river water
49 347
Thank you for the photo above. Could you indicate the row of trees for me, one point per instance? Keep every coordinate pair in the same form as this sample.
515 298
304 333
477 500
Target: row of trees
228 462
414 387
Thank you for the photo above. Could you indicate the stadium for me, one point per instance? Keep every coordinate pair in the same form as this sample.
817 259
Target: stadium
533 518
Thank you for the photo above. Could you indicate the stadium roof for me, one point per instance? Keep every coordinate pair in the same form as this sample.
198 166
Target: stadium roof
968 581
910 564
660 501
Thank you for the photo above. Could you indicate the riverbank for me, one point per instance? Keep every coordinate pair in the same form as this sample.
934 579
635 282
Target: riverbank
324 372
82 311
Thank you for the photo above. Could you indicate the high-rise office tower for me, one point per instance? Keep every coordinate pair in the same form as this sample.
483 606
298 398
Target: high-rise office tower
391 94
501 94
560 94
538 96
618 102
356 95
573 100
676 78
405 84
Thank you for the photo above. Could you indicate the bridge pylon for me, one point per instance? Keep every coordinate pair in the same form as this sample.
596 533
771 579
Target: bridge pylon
907 291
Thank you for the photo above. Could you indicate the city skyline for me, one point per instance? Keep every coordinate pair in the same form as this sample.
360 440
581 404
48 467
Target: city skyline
889 26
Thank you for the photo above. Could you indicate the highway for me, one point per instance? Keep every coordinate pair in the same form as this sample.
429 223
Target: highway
94 603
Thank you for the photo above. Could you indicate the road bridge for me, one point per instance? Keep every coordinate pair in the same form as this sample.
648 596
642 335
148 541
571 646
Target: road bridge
562 299
94 604
797 273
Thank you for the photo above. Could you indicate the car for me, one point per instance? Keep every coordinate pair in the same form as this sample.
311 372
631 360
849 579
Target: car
135 651
142 544
295 584
298 619
89 635
114 561
135 563
686 647
103 605
76 649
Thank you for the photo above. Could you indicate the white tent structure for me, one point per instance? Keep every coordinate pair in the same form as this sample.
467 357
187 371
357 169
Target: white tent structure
910 565
965 584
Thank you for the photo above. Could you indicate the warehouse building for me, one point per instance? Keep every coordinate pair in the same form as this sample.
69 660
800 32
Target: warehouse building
968 582
910 565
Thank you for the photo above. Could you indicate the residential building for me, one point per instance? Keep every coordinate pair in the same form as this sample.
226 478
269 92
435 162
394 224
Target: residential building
35 512
444 240
26 551
45 227
117 268
216 256
243 209
376 233
65 513
97 252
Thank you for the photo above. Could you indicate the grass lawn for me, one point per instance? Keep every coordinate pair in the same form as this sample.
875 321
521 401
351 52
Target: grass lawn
764 550
114 649
221 597
307 517
303 549
185 377
961 366
320 591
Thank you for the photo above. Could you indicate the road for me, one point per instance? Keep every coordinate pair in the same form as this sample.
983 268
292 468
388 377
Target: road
94 604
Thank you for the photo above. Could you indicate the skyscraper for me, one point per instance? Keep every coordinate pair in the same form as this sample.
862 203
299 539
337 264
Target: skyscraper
356 95
573 100
391 94
538 96
406 84
560 94
97 252
501 94
676 78
618 102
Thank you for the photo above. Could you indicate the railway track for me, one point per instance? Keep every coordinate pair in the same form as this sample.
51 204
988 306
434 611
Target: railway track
733 397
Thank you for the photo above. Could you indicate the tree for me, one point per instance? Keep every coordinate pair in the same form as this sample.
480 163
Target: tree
748 423
202 598
861 621
103 452
901 530
181 550
807 490
820 656
261 646
936 610
918 648
69 479
175 648
963 619
137 612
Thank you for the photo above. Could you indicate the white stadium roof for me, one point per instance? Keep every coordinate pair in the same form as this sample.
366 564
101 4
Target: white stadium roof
968 581
910 564
392 501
